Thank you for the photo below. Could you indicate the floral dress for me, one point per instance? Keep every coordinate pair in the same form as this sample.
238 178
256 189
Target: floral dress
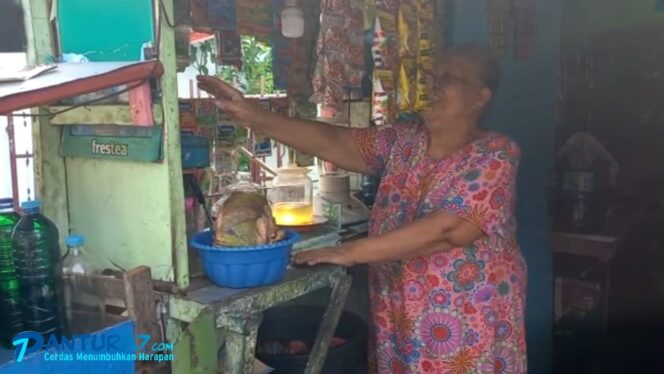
459 311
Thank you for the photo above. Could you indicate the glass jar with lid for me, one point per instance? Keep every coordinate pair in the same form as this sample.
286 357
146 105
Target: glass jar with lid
291 196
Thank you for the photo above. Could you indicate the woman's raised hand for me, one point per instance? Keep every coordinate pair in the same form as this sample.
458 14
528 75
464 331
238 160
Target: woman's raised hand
331 143
230 100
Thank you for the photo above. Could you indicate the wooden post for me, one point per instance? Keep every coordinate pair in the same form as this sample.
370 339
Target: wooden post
329 324
49 166
140 301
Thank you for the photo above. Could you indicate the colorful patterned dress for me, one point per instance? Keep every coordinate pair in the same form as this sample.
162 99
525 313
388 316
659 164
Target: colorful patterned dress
460 311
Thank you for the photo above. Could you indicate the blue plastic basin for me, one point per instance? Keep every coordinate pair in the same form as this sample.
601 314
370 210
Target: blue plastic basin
244 267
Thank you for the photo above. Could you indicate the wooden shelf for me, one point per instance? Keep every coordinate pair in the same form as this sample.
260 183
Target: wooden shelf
73 79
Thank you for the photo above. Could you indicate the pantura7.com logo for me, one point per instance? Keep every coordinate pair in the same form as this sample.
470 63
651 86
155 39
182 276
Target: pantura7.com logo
92 347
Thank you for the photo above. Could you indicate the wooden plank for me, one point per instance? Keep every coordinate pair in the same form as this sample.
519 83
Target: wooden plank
114 288
70 80
329 325
140 301
120 115
577 246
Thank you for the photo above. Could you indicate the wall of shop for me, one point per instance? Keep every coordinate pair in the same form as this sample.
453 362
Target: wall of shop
584 18
130 212
525 109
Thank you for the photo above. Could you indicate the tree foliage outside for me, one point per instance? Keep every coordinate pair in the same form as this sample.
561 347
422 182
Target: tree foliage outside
256 64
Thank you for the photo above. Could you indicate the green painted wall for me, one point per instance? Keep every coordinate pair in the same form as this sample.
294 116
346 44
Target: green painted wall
133 213
123 210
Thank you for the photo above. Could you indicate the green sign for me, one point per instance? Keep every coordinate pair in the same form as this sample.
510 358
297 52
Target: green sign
126 143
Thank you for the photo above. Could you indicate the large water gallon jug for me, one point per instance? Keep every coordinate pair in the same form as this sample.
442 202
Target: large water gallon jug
36 252
11 320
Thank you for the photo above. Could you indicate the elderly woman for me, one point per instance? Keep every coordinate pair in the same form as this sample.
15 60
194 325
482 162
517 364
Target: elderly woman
447 279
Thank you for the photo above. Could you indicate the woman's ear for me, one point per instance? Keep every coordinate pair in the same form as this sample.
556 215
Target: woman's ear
484 98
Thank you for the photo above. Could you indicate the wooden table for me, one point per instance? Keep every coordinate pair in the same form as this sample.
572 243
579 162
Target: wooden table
230 318
599 248
207 317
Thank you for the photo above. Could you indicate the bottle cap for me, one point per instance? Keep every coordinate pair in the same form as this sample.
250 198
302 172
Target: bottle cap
74 240
31 206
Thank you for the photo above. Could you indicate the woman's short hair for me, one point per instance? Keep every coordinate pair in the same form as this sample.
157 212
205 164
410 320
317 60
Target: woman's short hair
489 67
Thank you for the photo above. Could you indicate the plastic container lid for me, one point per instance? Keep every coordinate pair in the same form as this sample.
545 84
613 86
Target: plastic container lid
31 206
75 240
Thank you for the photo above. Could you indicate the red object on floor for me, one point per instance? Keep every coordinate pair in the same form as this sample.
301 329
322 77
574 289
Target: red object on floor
298 347
337 342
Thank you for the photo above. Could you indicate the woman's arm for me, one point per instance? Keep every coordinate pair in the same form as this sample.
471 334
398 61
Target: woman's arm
439 232
330 143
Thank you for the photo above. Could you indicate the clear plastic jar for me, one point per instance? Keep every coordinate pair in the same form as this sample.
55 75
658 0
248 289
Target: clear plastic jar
291 197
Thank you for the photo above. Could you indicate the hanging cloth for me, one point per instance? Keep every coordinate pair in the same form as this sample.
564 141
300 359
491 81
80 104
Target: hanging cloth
340 53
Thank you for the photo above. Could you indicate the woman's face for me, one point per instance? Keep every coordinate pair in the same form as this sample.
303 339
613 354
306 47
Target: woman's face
458 92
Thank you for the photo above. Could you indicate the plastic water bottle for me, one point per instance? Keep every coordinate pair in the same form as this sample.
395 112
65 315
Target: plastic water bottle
35 247
83 299
224 157
10 297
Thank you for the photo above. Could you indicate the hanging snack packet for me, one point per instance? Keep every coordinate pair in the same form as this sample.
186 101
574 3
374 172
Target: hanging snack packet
384 102
378 46
187 114
406 94
226 133
389 6
422 99
425 29
425 9
386 46
369 14
407 29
